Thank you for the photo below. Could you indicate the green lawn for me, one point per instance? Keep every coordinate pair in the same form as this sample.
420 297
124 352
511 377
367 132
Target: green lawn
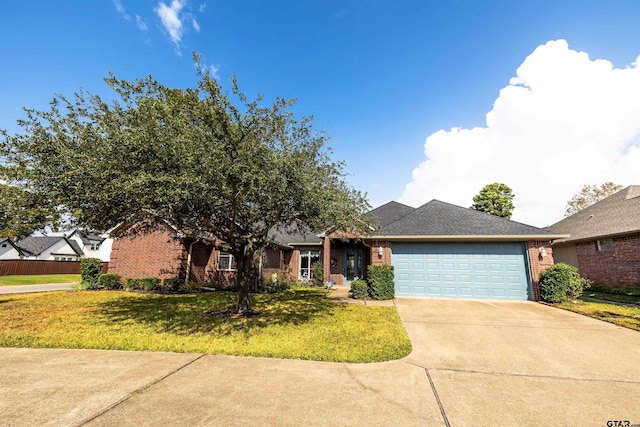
296 324
629 317
616 294
38 279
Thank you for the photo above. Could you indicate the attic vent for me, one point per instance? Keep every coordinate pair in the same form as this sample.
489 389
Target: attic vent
590 216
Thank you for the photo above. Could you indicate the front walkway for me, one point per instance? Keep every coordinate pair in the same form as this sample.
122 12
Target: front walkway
340 293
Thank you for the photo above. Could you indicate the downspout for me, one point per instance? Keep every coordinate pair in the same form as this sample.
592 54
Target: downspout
189 261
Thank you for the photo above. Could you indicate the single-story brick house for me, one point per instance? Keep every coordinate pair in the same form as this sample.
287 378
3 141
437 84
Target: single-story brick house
438 250
604 241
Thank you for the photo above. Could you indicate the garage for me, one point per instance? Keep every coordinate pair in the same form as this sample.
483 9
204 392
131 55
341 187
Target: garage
483 270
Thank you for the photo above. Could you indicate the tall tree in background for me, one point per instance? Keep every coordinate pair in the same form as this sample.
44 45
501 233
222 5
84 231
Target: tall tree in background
220 168
495 199
23 212
589 195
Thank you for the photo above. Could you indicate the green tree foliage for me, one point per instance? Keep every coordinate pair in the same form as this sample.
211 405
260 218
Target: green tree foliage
589 195
495 199
22 212
90 271
220 168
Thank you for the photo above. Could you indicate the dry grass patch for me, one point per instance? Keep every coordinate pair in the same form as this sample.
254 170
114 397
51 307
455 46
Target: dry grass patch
296 324
629 317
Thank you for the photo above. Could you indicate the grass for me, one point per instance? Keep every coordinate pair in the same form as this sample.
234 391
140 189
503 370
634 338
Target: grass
296 324
629 317
616 294
37 279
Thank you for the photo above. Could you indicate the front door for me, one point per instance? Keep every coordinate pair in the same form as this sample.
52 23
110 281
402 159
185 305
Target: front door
352 266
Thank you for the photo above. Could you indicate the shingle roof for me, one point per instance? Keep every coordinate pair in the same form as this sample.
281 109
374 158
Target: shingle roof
618 214
438 218
35 245
390 212
5 240
294 236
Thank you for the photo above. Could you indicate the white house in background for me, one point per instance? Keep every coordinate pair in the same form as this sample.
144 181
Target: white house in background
92 245
8 250
50 248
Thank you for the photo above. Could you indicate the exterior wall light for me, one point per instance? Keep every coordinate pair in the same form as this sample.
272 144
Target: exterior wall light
542 251
380 251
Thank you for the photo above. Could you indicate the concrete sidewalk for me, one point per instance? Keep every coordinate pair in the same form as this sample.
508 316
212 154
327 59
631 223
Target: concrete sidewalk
23 289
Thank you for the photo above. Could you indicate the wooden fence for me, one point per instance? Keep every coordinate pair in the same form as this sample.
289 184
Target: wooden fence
24 267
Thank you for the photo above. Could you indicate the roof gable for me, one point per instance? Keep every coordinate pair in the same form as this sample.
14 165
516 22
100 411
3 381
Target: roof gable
437 218
617 214
35 245
390 212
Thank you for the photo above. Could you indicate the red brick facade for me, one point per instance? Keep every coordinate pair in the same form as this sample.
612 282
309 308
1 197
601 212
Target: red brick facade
157 253
540 258
617 267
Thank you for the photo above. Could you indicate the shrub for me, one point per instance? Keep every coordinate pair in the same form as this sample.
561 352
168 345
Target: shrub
131 284
150 284
317 274
561 282
359 289
380 277
90 271
190 286
109 281
172 285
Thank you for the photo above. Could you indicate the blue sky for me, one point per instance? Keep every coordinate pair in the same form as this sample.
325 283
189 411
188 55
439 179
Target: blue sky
382 78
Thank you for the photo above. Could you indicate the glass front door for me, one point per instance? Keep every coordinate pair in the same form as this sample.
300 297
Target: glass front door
352 269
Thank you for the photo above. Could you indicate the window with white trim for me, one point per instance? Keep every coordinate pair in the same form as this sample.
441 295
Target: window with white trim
95 246
226 262
604 245
307 259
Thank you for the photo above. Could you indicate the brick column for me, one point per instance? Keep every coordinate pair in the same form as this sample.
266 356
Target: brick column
326 258
538 262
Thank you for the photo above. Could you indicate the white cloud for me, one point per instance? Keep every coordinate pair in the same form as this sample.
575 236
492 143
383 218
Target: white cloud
564 121
202 7
195 24
171 20
121 9
142 26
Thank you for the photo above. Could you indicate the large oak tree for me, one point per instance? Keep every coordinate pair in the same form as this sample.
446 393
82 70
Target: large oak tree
219 167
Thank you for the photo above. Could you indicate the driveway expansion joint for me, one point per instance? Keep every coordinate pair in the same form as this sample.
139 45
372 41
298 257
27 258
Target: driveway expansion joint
438 401
552 377
138 390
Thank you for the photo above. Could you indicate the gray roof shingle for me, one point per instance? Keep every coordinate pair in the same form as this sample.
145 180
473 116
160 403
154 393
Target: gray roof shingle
390 212
35 245
438 218
616 215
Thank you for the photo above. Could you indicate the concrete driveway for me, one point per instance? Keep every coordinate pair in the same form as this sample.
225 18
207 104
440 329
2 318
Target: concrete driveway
474 363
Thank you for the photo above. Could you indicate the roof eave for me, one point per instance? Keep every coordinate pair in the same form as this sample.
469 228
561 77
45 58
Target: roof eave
477 238
599 237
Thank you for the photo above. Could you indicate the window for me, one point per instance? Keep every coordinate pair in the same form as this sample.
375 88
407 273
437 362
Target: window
226 262
4 245
95 246
307 259
604 245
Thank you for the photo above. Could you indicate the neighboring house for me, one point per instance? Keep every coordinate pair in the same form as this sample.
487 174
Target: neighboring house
50 248
604 241
9 250
92 245
437 250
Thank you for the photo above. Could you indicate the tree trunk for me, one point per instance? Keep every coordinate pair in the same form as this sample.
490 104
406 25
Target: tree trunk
244 265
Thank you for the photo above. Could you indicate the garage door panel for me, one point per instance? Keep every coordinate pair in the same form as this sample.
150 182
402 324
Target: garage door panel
461 270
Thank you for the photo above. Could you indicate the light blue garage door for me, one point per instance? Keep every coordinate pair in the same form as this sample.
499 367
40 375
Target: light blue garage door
461 270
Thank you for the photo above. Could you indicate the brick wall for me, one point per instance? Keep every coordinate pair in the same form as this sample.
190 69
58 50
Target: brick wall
618 267
385 258
149 253
538 262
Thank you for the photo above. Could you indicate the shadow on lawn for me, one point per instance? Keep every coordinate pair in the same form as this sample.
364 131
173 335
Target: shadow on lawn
189 314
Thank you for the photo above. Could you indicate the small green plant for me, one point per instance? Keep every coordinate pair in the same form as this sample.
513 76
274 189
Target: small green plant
109 281
90 271
561 282
317 274
82 286
172 285
380 278
359 289
150 284
190 286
